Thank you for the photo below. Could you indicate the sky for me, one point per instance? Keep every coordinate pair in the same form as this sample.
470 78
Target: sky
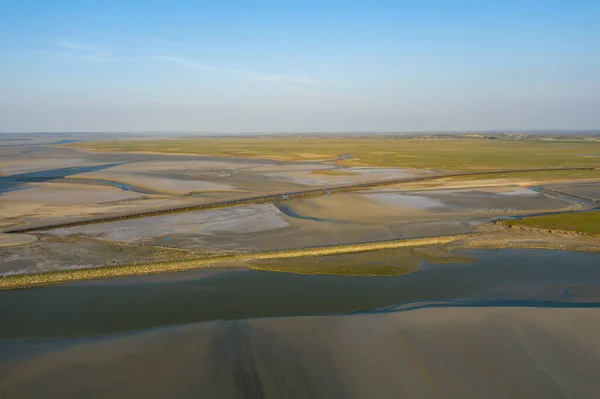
298 66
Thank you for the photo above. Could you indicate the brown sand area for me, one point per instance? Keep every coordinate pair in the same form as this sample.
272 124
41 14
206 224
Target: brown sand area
44 202
453 353
14 240
387 205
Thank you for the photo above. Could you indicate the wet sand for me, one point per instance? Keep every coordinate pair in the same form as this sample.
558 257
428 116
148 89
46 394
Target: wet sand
433 353
263 227
240 220
160 184
14 240
43 253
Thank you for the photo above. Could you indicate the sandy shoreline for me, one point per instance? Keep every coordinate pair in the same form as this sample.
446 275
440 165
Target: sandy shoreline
490 236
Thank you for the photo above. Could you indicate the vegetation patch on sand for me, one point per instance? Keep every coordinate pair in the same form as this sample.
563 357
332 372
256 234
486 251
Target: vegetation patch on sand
15 281
384 152
384 262
578 222
437 255
387 262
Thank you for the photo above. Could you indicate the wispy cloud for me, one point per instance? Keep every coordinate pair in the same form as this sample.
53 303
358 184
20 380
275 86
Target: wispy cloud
283 78
84 52
76 46
185 62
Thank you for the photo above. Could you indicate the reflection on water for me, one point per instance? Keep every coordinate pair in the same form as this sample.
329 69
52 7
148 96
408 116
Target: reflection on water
147 302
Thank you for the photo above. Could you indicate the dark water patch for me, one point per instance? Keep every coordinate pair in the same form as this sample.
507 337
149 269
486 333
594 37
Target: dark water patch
17 181
38 144
462 303
66 141
136 303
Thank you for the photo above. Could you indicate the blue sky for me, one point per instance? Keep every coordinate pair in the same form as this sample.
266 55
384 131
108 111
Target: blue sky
274 66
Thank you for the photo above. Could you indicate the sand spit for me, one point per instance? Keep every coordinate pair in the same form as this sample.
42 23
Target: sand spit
15 281
433 353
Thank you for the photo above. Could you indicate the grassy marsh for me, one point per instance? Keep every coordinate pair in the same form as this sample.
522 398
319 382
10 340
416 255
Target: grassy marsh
579 222
387 262
383 152
384 262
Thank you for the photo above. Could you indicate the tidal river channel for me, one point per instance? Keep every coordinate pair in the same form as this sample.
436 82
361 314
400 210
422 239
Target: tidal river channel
498 277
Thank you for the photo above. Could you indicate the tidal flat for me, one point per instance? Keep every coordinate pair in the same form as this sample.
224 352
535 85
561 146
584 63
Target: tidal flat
335 294
44 189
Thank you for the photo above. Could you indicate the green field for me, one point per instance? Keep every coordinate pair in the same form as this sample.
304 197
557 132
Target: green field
422 154
580 222
539 176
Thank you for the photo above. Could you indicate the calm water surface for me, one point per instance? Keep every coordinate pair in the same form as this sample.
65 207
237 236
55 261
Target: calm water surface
136 303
